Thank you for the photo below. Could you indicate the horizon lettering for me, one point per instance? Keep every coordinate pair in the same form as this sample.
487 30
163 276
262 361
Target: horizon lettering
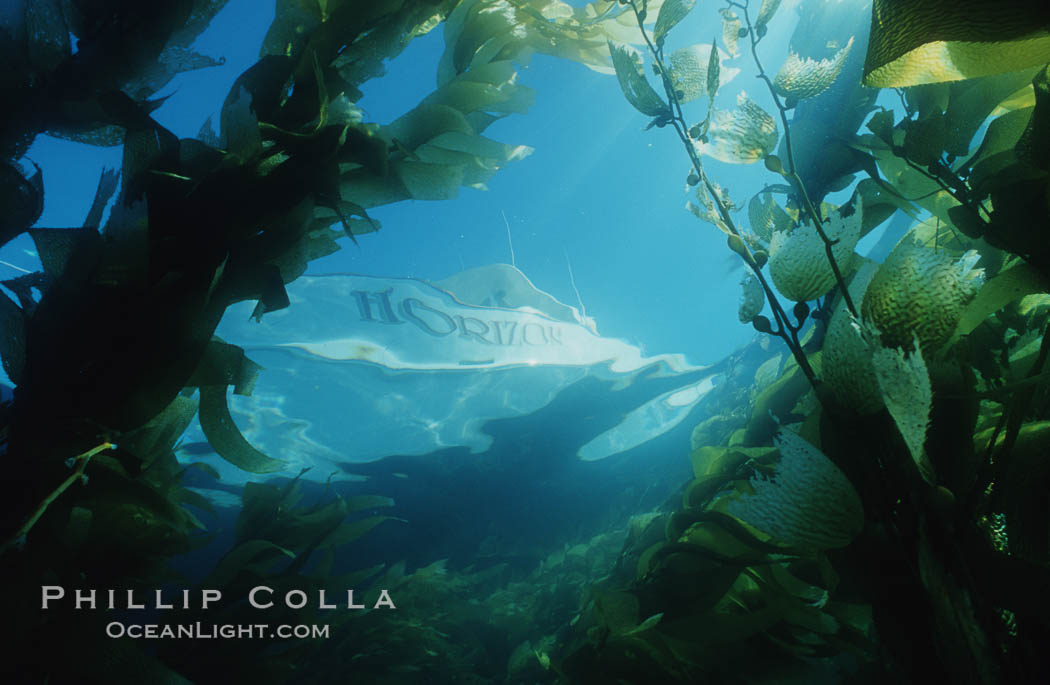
382 307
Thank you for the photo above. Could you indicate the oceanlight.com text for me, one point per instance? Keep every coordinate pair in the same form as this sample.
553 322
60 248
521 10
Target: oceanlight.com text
208 631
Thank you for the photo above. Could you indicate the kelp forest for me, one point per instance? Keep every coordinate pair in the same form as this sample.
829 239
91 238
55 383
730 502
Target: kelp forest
869 500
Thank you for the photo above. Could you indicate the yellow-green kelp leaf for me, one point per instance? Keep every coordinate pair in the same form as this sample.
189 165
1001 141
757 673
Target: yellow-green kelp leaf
477 147
424 123
766 216
699 491
477 85
690 68
805 78
723 461
224 364
705 638
707 211
973 101
348 532
478 158
647 624
1033 305
479 31
628 63
1013 283
731 26
766 374
766 12
1033 440
581 33
715 429
1003 134
672 12
947 40
801 605
741 136
798 261
225 438
714 68
617 611
491 87
722 545
441 150
429 181
779 583
846 367
881 201
160 434
920 291
775 403
752 298
808 503
905 386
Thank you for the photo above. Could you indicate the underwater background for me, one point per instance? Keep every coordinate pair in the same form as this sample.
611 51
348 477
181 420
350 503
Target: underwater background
612 342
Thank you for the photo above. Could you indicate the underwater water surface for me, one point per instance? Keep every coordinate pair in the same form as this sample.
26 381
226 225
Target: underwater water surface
525 341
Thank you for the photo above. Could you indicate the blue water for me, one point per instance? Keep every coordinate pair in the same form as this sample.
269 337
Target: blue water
600 201
598 189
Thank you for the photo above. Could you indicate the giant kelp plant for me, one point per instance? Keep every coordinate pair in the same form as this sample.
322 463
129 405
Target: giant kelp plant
882 515
874 507
112 346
